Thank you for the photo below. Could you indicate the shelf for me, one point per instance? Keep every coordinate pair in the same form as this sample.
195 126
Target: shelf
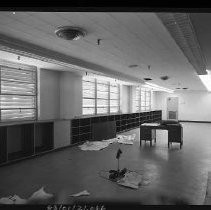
43 137
81 127
20 141
3 144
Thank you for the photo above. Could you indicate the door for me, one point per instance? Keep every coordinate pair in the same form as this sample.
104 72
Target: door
172 108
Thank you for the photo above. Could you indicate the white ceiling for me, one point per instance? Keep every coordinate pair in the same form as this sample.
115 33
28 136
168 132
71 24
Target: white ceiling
127 38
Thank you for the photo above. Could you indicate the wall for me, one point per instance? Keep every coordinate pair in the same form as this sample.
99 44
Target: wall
49 94
124 98
70 95
193 105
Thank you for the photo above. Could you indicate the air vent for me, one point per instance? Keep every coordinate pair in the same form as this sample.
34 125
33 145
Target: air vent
185 88
178 88
147 79
164 77
70 32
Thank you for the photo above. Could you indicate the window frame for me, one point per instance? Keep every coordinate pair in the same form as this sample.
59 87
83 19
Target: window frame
142 99
108 99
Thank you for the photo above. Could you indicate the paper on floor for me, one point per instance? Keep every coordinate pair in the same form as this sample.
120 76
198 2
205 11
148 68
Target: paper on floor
111 141
131 179
98 145
15 199
40 195
122 139
84 192
94 145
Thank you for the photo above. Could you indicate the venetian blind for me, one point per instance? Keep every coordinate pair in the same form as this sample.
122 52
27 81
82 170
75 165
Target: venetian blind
88 95
18 94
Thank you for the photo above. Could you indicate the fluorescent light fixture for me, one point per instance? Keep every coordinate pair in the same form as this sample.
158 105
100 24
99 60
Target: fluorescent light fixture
206 79
155 87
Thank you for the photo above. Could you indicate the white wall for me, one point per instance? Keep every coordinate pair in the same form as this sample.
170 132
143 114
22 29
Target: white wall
49 94
70 95
193 105
124 98
62 133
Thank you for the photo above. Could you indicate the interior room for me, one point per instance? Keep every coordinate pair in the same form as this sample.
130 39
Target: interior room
105 107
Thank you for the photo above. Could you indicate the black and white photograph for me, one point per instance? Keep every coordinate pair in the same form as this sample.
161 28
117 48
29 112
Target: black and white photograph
105 108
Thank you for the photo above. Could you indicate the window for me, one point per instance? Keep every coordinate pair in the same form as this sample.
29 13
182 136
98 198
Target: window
18 94
88 96
114 98
145 99
100 97
137 100
142 99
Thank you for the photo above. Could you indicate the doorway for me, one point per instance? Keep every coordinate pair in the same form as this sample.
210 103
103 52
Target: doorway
172 108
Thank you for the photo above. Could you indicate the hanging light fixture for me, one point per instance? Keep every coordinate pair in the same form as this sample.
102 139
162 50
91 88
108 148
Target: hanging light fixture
70 32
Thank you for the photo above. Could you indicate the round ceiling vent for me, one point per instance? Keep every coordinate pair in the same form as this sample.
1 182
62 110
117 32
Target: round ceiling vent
70 32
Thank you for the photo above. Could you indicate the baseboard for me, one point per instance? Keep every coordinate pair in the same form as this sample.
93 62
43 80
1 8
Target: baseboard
194 121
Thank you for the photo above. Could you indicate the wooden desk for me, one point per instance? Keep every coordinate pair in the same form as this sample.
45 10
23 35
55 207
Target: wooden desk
148 132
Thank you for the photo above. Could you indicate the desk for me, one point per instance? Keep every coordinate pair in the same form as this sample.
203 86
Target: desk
148 132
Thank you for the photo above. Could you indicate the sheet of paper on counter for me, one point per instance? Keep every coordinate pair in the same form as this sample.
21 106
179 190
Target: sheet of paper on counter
82 193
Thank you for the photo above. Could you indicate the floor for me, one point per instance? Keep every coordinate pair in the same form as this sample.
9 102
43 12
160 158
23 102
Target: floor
174 174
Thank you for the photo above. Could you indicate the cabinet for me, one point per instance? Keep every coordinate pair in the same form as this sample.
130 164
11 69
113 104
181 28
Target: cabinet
81 128
21 140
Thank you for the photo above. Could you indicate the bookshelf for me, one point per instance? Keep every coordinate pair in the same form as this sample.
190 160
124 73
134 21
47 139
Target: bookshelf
81 128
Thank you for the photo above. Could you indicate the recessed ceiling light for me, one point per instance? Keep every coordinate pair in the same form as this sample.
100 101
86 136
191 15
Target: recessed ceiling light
133 66
147 79
164 77
70 32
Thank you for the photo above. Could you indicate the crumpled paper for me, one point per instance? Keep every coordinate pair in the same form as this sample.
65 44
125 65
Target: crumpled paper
122 139
98 145
131 180
15 199
40 195
94 145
